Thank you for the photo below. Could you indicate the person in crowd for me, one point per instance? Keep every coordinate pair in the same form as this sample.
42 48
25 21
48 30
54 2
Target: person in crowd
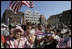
29 34
63 29
69 29
58 32
2 41
36 36
39 37
23 26
7 30
50 42
67 34
64 43
19 41
48 29
11 36
33 29
18 27
2 45
4 32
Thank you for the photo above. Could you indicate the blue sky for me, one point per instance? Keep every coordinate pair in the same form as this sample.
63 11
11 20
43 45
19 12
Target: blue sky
46 8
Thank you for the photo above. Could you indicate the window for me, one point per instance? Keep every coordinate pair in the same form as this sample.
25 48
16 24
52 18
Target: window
27 17
27 14
31 17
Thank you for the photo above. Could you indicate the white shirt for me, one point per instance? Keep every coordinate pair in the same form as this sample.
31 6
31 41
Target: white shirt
63 31
56 37
32 31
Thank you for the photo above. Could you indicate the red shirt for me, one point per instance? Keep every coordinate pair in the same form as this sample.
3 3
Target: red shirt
2 39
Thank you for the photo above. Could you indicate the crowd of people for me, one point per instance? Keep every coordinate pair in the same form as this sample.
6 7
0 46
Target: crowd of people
36 36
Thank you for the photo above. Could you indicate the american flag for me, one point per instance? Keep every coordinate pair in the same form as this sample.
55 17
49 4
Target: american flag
16 5
43 34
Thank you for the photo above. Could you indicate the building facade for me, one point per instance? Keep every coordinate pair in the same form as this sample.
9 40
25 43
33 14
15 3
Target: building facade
65 17
9 18
54 19
32 17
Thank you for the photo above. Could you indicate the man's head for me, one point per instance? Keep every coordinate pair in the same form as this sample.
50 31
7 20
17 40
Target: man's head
66 34
29 26
40 27
58 31
48 27
33 26
64 26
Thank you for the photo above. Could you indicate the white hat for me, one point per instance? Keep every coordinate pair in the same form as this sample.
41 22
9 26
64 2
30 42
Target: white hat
4 25
52 32
56 37
63 31
18 27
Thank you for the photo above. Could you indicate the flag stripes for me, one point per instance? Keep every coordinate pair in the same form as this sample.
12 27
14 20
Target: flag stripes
16 5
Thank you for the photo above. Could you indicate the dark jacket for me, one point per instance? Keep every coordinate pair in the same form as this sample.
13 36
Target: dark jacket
51 45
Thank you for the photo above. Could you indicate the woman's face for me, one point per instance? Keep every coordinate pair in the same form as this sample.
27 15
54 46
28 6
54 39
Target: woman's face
17 35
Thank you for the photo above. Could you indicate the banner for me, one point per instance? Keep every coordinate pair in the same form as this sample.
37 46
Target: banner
6 20
21 20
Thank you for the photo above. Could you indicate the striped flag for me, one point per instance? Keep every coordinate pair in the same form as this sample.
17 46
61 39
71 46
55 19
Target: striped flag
29 4
16 5
48 34
44 34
